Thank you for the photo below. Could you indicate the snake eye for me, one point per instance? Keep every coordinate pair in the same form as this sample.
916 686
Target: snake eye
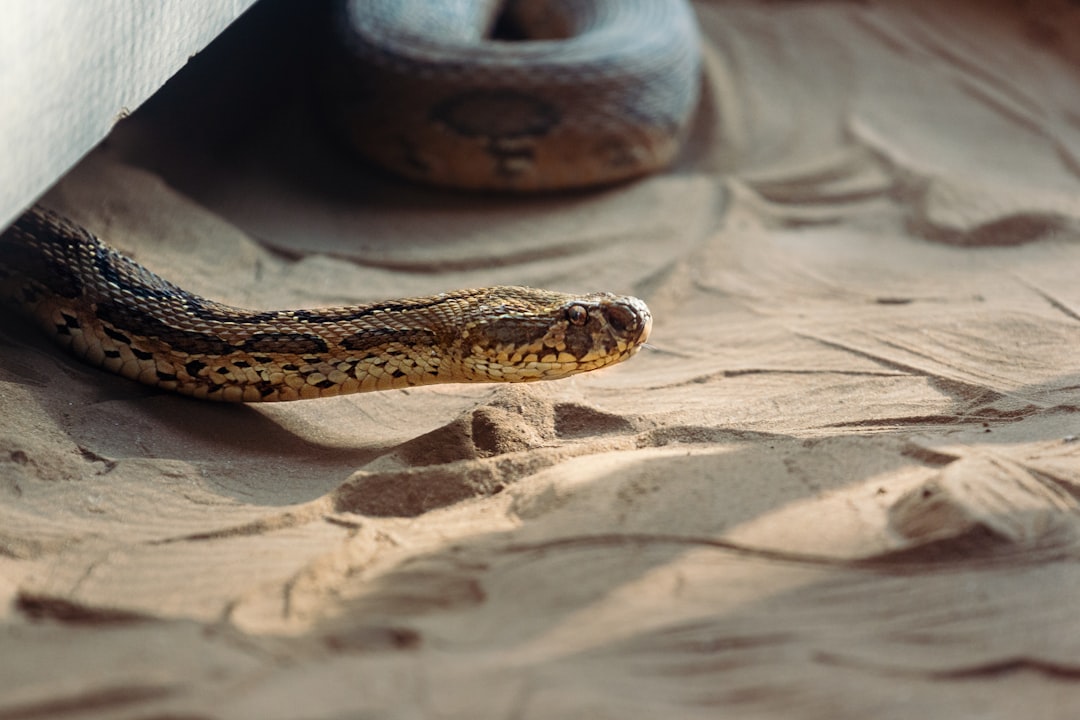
577 315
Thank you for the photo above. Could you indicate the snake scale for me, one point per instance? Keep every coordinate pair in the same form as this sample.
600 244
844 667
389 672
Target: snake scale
600 92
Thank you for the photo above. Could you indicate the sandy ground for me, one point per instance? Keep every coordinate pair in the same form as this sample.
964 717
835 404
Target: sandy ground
845 483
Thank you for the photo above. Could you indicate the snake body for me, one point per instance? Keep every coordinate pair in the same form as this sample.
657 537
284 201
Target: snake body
598 91
592 92
118 315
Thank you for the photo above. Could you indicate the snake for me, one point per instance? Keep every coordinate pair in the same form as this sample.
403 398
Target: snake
118 315
589 92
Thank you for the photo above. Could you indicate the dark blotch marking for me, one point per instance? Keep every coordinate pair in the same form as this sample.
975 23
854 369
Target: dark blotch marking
325 384
141 354
291 343
194 367
398 373
145 324
579 340
212 311
117 335
131 277
241 363
369 339
362 311
310 316
70 323
165 377
518 331
289 367
112 353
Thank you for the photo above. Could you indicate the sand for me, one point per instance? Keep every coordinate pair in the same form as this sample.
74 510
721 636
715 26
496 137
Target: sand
845 481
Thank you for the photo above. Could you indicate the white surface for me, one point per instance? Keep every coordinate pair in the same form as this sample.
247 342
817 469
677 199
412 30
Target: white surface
69 69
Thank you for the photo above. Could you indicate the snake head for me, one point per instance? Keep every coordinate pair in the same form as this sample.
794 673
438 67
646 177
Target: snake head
522 334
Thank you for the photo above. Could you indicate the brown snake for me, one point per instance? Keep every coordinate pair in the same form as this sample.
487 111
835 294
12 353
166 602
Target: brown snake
601 92
593 91
116 314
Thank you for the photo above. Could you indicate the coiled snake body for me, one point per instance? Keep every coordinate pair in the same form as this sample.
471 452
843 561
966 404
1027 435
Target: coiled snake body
601 92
